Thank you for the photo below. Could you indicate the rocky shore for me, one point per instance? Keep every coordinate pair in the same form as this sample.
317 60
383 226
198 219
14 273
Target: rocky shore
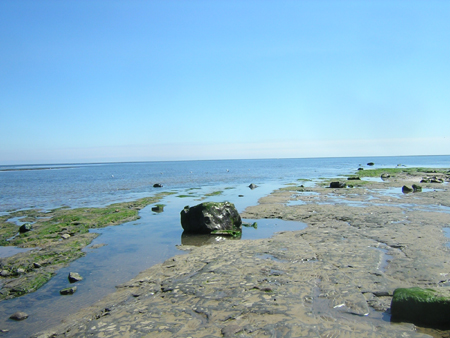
335 278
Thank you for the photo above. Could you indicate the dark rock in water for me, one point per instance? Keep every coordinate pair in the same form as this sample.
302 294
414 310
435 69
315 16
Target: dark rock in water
74 277
68 291
370 164
241 196
385 176
252 186
406 189
416 188
421 306
25 228
19 315
337 185
157 185
211 217
354 179
360 168
158 208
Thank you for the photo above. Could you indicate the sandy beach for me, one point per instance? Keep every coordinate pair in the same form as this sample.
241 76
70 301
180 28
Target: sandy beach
335 278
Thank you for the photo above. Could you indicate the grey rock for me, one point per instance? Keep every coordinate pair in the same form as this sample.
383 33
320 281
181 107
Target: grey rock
5 273
252 186
157 185
211 217
74 277
68 291
19 315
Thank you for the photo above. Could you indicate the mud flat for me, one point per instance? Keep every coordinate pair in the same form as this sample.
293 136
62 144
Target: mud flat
335 278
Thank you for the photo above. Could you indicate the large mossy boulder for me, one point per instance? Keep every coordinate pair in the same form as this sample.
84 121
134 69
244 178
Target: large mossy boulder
429 307
211 218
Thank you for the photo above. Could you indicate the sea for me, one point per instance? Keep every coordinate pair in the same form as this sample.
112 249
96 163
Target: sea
120 252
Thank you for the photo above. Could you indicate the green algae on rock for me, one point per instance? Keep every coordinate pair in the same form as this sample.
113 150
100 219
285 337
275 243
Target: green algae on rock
421 306
52 251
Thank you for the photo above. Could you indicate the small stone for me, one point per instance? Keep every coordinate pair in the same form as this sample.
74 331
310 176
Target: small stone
406 189
5 273
74 277
37 265
337 185
20 271
19 315
65 236
25 228
416 188
68 291
252 186
157 185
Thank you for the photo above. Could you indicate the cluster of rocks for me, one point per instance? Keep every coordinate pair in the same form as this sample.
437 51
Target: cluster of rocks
433 179
414 188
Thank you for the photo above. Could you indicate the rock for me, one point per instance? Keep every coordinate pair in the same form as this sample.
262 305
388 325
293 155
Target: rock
406 189
157 185
353 179
74 277
436 180
416 188
360 168
20 271
19 315
337 185
68 291
231 330
5 273
37 265
25 228
370 164
421 306
211 217
158 208
65 236
252 186
385 176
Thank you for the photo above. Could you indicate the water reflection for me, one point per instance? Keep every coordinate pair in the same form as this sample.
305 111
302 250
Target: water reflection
205 239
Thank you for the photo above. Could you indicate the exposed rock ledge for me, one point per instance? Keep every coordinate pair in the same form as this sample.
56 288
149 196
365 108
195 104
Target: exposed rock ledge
318 282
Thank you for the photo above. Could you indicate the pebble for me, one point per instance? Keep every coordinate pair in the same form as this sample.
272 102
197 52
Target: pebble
19 315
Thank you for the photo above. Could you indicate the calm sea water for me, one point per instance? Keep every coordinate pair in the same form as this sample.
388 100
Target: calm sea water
76 185
135 246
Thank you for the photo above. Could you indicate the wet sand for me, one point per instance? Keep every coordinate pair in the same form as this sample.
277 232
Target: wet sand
334 278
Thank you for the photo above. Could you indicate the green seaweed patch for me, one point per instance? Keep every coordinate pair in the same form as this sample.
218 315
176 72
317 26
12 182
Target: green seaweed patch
232 233
184 196
60 234
214 193
393 171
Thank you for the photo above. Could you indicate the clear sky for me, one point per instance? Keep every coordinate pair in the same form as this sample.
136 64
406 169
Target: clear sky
94 81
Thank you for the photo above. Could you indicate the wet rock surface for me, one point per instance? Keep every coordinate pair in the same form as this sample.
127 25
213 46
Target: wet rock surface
335 278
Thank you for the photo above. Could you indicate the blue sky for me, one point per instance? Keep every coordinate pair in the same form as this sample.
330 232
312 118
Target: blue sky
94 81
